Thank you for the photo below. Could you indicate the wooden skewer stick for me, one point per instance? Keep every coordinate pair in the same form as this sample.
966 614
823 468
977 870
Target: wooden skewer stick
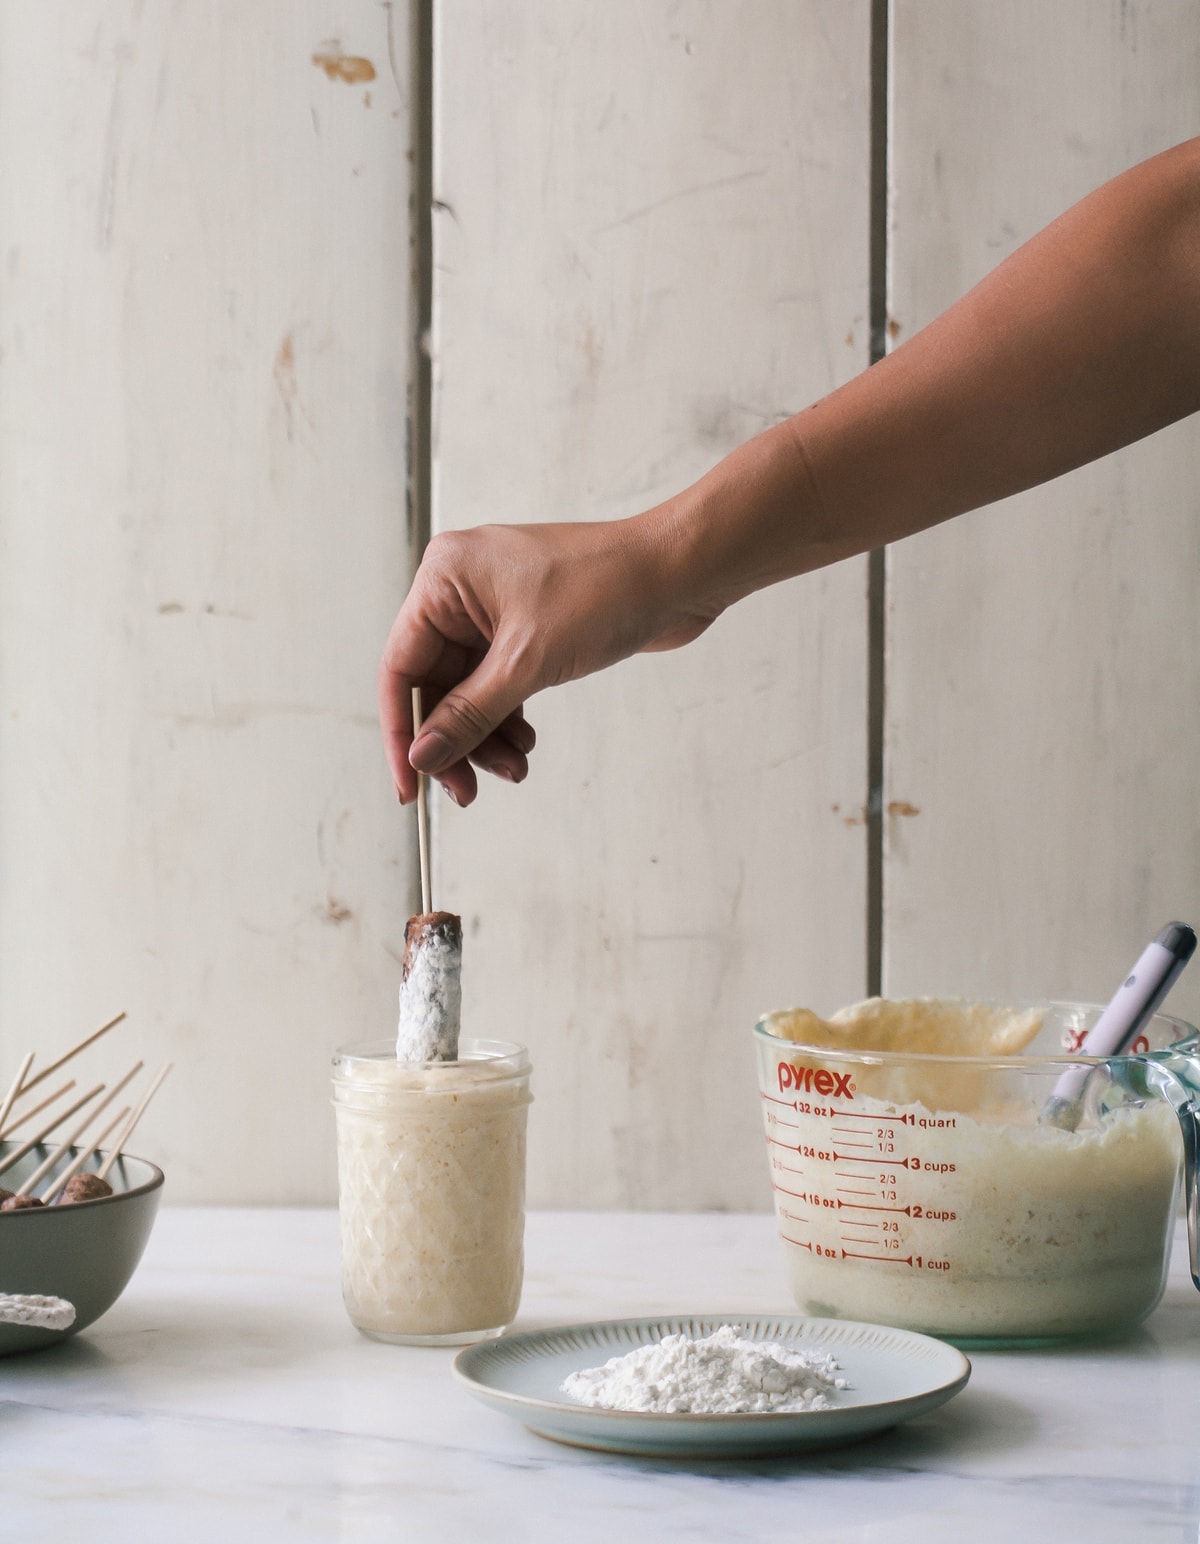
74 1051
422 813
15 1088
7 1131
68 1143
102 1171
60 1184
40 1136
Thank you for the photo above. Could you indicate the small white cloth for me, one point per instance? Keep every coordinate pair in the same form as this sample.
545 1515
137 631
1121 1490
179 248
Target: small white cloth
43 1313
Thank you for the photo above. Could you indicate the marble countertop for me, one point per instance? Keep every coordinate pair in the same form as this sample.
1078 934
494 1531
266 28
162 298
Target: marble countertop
226 1397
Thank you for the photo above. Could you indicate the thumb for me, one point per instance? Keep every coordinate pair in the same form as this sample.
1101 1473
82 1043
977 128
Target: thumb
469 712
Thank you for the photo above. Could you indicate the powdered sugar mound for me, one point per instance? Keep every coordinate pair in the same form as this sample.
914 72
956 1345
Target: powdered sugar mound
722 1374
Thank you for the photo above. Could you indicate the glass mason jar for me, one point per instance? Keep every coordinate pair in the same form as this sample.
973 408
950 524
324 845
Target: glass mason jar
431 1190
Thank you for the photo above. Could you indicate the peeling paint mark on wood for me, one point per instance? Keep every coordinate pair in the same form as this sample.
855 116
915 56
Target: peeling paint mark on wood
174 608
336 912
593 350
351 68
902 807
211 610
285 381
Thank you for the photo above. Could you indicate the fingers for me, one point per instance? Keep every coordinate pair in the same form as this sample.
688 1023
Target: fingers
418 652
450 639
517 730
459 783
480 717
499 756
503 751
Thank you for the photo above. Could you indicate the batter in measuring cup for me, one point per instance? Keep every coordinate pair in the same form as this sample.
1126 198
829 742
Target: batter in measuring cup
951 1213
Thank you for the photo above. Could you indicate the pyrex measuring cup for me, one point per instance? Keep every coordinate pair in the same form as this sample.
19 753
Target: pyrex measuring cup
925 1191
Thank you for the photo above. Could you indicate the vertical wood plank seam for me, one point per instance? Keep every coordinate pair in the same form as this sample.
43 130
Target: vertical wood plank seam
419 424
878 277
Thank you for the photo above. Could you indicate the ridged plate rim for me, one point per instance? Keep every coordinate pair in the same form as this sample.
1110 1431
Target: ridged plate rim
896 1375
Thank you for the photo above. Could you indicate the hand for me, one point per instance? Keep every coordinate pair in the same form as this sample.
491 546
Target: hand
499 612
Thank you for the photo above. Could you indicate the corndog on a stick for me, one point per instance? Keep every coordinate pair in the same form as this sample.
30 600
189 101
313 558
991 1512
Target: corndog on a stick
430 988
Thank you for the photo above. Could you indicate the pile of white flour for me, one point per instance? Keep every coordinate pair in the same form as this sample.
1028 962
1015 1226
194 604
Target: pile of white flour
723 1374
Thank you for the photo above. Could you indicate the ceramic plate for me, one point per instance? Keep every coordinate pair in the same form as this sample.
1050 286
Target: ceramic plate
893 1374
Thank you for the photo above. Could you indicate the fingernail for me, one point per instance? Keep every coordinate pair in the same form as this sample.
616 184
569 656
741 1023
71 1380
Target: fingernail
430 753
449 792
507 774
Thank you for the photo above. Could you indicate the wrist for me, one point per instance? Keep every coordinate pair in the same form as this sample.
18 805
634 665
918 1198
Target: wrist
753 520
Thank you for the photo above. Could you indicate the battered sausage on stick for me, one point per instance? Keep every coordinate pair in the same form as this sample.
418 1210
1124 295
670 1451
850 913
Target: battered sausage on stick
430 988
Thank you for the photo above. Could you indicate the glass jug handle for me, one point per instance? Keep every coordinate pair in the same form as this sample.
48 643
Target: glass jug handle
1189 1121
1175 1073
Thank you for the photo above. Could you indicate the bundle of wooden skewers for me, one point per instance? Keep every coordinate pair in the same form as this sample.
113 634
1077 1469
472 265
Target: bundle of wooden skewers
63 1174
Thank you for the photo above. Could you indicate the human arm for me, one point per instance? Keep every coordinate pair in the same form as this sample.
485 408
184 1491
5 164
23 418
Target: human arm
1086 339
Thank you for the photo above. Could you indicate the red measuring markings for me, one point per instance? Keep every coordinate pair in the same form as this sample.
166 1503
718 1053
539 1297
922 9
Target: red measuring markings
850 1254
883 1120
799 1194
800 1243
888 1160
857 1206
770 1098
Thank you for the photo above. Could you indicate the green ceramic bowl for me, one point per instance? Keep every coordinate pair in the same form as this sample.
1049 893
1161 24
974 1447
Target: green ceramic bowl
85 1253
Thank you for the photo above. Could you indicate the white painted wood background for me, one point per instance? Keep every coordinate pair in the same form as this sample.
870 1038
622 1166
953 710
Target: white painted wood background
1044 655
650 241
202 424
652 244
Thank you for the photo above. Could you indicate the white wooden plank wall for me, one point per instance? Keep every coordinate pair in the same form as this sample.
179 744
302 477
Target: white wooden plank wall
651 242
202 426
1043 671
